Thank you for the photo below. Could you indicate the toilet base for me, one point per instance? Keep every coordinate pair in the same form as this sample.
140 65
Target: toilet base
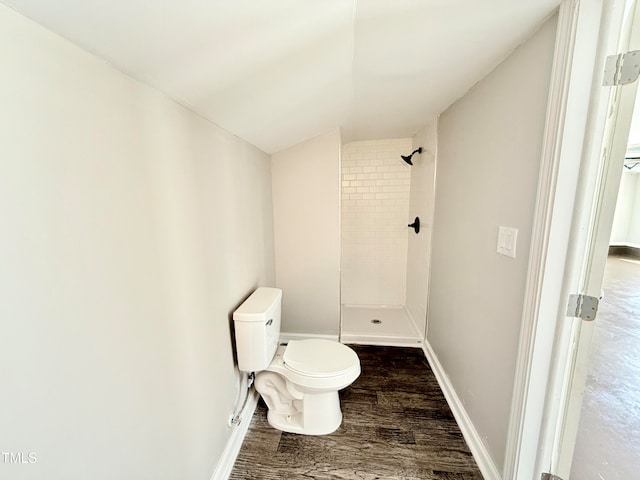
294 410
320 415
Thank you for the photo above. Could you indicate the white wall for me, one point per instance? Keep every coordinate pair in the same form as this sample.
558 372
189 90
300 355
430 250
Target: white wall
306 216
131 229
626 221
375 208
421 204
634 219
489 148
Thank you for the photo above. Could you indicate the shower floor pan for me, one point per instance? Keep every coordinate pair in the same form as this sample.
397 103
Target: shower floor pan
379 325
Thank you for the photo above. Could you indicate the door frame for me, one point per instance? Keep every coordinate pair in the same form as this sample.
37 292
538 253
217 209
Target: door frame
588 31
602 176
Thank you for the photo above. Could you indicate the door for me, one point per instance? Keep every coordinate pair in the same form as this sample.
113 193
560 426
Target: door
597 216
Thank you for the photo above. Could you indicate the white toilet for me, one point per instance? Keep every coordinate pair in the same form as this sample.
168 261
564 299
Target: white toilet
299 382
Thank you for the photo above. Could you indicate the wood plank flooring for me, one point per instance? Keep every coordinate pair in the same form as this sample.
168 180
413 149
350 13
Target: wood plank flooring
396 425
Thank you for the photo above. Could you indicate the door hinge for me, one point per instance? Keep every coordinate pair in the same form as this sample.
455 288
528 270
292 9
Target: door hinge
582 306
621 69
550 476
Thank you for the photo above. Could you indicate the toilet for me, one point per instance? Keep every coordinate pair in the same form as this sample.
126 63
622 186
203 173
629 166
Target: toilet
299 381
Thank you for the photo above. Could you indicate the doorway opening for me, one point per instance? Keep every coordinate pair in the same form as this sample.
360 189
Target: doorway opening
608 440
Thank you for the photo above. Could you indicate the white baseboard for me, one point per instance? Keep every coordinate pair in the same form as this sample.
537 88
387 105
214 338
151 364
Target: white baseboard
476 445
286 336
230 453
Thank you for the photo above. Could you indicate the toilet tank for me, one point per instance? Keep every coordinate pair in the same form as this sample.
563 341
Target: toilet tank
257 328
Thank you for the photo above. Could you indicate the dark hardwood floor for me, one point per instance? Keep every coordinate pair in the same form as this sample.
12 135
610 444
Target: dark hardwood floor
396 425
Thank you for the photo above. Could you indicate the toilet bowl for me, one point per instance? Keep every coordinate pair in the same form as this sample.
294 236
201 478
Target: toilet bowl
299 381
300 386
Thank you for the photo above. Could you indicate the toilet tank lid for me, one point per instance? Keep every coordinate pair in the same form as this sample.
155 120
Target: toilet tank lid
254 308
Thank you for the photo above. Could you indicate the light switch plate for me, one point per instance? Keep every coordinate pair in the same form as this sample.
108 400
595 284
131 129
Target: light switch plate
507 240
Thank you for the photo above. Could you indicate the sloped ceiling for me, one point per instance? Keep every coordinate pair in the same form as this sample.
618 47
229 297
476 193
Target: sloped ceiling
277 72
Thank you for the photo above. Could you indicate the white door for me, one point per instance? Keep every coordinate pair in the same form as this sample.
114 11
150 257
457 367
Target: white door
597 210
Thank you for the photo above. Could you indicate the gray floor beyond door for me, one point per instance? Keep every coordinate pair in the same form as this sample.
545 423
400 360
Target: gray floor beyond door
608 444
396 425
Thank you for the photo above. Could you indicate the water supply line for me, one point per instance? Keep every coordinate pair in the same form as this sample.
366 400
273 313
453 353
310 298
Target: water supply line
236 416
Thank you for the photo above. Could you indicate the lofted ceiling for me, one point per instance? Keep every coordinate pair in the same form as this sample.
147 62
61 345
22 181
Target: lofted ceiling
277 72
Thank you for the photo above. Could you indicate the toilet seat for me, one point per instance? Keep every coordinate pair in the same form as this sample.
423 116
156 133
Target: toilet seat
319 358
309 366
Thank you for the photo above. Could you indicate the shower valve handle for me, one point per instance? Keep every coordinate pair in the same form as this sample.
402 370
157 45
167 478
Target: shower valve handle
415 225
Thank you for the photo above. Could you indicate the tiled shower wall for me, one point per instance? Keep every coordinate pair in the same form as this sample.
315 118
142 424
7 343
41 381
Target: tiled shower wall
375 208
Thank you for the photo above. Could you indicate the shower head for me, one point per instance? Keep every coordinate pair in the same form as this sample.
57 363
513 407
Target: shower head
407 158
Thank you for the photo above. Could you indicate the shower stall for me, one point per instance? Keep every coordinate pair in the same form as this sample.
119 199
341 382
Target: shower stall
384 263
